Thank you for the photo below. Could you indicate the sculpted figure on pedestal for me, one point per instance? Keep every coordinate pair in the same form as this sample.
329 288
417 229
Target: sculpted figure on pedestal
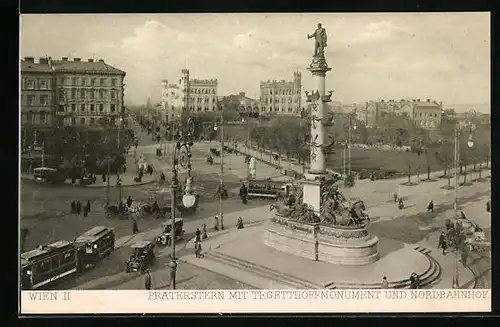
320 38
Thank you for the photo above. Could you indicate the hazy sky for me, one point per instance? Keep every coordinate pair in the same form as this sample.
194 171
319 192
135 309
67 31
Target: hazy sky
442 56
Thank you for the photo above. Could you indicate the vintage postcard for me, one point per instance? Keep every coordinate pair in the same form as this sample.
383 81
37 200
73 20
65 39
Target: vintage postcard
255 163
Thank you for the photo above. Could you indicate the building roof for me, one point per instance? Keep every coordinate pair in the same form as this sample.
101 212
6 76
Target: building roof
426 104
85 67
31 67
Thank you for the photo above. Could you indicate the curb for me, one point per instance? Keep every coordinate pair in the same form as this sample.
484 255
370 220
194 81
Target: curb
99 187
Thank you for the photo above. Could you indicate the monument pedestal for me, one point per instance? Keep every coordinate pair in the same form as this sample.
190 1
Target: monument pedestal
332 244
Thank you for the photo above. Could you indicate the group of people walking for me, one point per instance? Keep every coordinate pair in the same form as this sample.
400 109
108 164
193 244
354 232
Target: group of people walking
77 208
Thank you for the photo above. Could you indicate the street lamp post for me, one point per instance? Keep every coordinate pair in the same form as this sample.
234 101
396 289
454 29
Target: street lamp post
221 203
349 144
181 156
470 143
119 168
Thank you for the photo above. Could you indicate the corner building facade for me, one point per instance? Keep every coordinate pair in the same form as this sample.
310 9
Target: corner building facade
88 92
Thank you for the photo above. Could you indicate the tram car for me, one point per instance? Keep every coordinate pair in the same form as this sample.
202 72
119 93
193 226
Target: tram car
94 245
267 189
47 264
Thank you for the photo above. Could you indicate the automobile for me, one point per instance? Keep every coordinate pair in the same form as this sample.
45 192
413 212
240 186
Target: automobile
164 238
142 256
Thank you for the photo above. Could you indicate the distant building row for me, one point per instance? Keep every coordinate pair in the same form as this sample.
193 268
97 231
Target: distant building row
276 97
69 92
426 114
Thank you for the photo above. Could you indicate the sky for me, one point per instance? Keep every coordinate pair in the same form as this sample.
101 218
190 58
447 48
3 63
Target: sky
441 56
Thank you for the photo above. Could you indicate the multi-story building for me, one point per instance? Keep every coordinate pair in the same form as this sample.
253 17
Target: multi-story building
425 114
88 92
37 98
195 95
281 97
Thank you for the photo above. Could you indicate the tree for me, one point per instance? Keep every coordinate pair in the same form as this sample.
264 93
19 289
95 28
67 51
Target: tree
445 155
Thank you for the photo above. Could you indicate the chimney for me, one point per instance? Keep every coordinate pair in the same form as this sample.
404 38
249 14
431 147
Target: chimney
101 60
418 100
43 60
29 59
77 59
428 100
91 60
64 58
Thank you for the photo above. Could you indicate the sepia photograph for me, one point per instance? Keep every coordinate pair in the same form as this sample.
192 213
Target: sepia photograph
192 156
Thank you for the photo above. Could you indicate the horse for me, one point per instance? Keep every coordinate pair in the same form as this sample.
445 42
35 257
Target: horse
356 212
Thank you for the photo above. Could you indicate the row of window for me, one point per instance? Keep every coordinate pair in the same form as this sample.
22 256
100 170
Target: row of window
427 114
283 100
31 84
278 109
91 107
283 92
37 118
203 91
90 121
31 100
54 262
87 93
83 81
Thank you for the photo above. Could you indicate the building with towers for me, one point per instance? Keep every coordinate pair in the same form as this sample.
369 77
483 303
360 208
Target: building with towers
281 97
195 95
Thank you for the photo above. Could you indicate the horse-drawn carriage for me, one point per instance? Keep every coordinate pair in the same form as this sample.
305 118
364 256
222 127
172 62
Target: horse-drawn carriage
142 256
215 152
165 237
119 211
475 238
142 209
210 160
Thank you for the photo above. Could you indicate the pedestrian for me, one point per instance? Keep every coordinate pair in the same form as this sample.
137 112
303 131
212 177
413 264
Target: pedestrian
216 223
239 224
173 268
103 177
88 205
198 234
129 201
94 178
135 228
385 283
488 206
73 206
197 249
395 196
162 176
204 228
442 242
463 256
78 207
85 211
413 280
147 282
124 169
430 206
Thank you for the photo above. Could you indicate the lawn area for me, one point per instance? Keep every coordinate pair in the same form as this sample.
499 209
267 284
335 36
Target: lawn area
384 161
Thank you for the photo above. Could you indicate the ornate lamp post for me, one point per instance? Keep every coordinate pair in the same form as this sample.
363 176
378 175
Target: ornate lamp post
221 203
467 124
182 157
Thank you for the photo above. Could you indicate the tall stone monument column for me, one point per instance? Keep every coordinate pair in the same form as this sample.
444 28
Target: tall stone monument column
315 177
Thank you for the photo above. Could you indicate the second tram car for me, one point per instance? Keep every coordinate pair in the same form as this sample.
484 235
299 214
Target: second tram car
95 244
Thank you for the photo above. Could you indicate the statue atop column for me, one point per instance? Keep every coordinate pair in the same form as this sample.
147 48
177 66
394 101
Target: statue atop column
320 41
